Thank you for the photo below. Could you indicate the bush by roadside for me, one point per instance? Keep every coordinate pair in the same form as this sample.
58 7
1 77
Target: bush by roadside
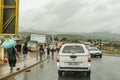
111 53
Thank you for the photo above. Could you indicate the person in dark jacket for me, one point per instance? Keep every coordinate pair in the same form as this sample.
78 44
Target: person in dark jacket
12 54
48 51
41 50
25 52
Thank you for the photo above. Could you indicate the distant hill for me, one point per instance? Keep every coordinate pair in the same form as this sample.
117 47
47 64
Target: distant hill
102 35
94 35
106 36
70 36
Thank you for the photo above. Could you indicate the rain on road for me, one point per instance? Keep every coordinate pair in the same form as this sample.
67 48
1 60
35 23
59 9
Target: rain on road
106 68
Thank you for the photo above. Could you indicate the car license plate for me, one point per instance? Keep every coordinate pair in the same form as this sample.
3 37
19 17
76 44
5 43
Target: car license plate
97 54
72 63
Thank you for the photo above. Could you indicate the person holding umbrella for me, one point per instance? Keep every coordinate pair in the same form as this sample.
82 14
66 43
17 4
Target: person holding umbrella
9 45
12 54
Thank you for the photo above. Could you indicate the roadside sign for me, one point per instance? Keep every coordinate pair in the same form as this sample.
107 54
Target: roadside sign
39 38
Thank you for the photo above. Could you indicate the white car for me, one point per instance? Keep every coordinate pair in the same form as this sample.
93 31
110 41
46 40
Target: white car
94 51
73 57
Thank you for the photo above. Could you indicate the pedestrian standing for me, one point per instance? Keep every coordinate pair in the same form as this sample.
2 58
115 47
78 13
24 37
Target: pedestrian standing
12 54
52 50
25 52
48 51
42 52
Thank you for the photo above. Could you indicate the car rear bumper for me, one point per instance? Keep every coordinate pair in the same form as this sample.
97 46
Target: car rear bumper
74 68
96 54
87 68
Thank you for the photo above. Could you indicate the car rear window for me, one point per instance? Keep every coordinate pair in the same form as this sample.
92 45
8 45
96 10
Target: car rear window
93 49
73 49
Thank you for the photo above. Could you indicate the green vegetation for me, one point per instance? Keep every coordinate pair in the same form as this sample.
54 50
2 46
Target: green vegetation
110 52
75 41
90 40
28 38
64 39
56 38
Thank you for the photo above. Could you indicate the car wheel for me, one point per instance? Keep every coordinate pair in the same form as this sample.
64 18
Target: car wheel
92 56
100 56
60 73
88 73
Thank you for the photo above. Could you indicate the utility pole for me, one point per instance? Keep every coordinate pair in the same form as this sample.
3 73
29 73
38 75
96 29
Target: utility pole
52 39
99 41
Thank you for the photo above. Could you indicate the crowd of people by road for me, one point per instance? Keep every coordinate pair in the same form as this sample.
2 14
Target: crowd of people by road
12 54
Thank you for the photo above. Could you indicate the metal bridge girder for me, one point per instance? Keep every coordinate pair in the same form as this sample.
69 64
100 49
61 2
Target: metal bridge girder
9 11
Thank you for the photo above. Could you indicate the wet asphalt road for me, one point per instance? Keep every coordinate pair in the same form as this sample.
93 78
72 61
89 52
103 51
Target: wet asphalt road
106 68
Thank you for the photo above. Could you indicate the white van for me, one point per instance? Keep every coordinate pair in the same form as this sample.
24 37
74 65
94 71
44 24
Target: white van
73 57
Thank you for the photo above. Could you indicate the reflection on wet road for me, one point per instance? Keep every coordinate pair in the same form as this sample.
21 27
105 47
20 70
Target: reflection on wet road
106 68
73 76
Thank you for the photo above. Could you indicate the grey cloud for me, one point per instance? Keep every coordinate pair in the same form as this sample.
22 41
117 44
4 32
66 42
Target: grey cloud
74 15
65 10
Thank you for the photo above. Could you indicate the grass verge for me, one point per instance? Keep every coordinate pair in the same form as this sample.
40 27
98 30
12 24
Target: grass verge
111 52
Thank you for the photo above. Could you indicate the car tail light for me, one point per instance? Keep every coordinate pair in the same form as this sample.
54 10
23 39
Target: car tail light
89 58
58 58
73 47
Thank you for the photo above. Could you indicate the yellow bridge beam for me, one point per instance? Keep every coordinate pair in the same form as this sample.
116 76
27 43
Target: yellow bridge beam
15 15
9 6
1 15
8 22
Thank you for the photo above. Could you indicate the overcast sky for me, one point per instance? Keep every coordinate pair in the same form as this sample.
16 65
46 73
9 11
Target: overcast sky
70 15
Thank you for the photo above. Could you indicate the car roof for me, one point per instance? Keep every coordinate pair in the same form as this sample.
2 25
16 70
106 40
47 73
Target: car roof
73 44
70 44
92 48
